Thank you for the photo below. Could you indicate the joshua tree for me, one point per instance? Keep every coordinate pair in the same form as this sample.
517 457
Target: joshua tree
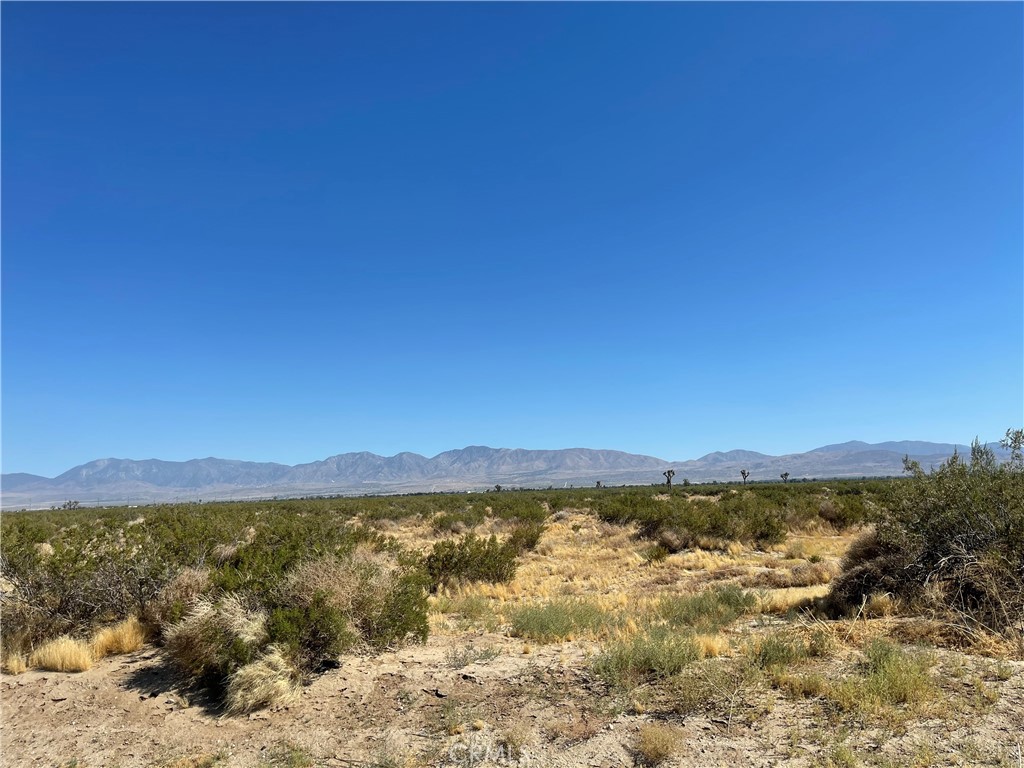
785 477
746 474
669 474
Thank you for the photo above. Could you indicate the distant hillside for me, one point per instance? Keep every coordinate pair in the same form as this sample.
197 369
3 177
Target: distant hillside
119 481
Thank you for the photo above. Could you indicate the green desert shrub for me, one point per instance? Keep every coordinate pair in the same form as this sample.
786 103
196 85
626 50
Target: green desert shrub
679 522
953 537
525 536
216 638
313 633
380 597
471 558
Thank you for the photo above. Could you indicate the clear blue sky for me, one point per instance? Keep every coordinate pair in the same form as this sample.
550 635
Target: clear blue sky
280 232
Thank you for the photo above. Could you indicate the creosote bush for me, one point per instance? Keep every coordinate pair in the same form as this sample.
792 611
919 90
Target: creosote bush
677 523
471 558
216 638
379 595
952 539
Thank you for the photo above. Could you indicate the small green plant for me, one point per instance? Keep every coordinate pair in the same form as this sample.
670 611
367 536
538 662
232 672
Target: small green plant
656 654
560 620
890 677
288 754
457 658
776 652
706 611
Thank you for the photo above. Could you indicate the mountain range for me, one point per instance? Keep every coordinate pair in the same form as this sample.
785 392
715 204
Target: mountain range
120 481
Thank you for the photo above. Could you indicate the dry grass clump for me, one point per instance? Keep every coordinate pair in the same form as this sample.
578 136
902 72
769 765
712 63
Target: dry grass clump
801 575
711 646
62 654
780 601
125 637
14 663
177 597
271 679
44 549
656 743
513 741
215 637
345 581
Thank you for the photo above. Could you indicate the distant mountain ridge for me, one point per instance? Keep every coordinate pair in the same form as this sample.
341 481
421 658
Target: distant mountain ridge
472 468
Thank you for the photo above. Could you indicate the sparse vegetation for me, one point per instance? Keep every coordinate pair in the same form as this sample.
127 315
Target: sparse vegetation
713 624
889 676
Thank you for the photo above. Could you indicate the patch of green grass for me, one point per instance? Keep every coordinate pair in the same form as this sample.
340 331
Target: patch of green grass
839 756
288 754
707 611
776 652
890 677
657 654
561 620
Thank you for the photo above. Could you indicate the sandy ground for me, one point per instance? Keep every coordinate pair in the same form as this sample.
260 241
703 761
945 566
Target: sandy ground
419 705
414 707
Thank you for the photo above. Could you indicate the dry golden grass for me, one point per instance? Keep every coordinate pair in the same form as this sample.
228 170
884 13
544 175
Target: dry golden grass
62 654
880 606
270 680
711 646
780 601
178 597
125 637
656 743
14 663
781 575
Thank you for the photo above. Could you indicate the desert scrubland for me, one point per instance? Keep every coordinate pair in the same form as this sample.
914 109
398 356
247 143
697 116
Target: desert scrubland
835 623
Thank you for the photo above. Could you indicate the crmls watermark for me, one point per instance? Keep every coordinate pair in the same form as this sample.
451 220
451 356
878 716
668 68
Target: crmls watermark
479 749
